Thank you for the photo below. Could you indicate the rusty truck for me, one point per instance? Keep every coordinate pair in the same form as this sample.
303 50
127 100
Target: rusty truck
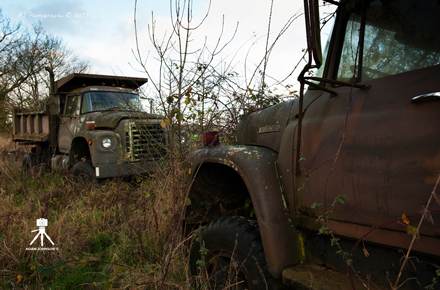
333 189
93 125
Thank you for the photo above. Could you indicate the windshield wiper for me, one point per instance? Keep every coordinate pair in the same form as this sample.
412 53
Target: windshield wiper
115 108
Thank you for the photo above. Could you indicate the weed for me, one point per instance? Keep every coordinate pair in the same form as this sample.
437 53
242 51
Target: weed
111 236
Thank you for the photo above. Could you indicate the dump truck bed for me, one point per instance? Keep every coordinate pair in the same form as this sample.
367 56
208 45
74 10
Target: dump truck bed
31 126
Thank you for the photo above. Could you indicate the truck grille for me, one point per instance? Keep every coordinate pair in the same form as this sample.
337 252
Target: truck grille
145 141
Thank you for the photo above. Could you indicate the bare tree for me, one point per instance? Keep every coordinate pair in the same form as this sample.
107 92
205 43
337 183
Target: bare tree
24 53
185 65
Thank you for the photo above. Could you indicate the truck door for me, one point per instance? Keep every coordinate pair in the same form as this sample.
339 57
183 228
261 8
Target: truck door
69 122
389 159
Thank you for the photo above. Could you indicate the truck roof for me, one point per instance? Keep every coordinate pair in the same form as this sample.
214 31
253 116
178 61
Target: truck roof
74 81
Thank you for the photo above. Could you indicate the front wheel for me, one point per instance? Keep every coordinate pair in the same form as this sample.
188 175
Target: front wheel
84 171
233 256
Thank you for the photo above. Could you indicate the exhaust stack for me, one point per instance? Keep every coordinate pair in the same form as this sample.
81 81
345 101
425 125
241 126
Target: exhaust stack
52 80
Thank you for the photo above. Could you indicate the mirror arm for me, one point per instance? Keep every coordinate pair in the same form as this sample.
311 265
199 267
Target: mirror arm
332 93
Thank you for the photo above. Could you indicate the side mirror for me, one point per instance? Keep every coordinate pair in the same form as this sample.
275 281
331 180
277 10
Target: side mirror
311 8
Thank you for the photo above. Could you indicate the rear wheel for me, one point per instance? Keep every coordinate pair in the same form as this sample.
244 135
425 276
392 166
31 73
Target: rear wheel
233 256
84 171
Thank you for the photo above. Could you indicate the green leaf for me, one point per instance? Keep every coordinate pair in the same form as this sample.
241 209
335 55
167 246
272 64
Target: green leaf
204 251
188 201
187 101
413 232
179 116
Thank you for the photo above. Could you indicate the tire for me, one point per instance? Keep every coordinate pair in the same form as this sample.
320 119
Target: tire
84 171
234 256
28 163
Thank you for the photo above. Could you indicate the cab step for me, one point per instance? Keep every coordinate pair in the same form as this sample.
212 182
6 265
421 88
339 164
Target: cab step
307 276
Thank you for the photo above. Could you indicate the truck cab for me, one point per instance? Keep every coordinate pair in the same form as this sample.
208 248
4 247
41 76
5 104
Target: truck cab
345 164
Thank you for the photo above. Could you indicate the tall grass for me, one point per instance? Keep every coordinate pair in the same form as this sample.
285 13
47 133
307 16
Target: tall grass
116 235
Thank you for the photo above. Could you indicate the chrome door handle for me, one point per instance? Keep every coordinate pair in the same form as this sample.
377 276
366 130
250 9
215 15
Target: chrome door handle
426 98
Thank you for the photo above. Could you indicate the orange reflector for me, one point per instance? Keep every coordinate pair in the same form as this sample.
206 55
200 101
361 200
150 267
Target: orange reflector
90 142
210 137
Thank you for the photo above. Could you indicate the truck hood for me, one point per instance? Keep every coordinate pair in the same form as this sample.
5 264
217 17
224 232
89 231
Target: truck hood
265 128
111 119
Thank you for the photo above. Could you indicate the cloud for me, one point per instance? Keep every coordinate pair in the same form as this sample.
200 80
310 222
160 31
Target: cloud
106 35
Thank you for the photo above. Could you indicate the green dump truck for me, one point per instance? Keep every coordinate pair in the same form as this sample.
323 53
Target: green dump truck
93 126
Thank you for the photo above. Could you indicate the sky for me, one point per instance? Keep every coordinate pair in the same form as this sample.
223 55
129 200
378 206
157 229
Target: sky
103 33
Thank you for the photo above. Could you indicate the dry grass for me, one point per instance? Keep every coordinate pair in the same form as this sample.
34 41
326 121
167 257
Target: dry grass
117 235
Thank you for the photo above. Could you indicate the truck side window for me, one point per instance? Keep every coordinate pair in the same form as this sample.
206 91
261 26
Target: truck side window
406 39
71 105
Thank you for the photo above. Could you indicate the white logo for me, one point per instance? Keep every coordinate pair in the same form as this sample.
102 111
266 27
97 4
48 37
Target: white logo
41 224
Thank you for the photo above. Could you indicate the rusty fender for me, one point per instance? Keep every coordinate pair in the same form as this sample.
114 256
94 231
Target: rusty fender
257 167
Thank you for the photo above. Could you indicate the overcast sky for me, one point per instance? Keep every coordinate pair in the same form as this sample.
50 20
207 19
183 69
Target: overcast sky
102 32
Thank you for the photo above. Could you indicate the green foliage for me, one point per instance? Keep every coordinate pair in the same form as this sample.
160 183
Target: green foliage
316 205
334 241
203 251
434 280
324 230
206 201
413 232
200 264
339 199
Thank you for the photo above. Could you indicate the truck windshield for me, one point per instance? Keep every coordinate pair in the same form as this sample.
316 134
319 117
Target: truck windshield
399 36
101 101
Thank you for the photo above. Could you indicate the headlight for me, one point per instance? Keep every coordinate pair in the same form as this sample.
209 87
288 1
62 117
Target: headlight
106 143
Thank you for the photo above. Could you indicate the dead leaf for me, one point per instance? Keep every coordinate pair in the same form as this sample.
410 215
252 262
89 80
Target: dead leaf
164 123
405 219
427 215
366 252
